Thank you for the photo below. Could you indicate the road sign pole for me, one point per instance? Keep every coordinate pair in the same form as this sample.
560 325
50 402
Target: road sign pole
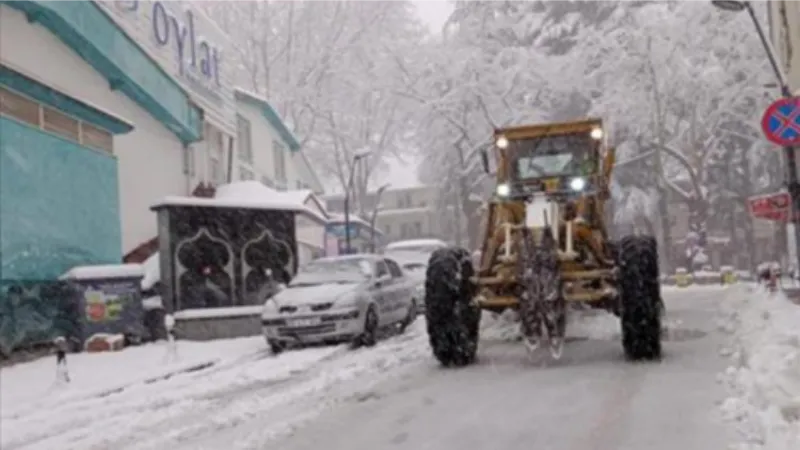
794 192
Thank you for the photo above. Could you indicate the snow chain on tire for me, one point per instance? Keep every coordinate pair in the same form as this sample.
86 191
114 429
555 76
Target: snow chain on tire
640 297
451 315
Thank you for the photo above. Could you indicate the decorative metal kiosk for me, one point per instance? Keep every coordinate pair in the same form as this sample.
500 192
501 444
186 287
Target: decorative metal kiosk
226 251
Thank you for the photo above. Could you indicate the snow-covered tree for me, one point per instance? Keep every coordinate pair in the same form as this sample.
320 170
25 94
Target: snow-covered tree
327 67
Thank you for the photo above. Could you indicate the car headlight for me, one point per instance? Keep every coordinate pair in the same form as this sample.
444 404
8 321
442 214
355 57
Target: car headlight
503 190
348 300
270 307
577 184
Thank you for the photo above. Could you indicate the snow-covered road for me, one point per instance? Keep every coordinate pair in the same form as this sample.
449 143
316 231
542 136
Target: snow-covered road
396 396
591 399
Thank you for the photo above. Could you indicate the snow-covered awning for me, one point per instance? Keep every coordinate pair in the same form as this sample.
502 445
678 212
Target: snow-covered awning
247 195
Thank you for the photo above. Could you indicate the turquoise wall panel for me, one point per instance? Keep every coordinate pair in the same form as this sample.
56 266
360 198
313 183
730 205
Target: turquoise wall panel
59 204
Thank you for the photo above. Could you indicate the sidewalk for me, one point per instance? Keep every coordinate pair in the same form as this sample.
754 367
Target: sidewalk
29 386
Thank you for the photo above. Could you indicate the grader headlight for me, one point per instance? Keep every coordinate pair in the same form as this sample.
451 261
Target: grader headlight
596 133
577 184
501 142
503 190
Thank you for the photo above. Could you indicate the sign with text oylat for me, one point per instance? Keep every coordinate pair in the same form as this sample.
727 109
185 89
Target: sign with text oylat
198 59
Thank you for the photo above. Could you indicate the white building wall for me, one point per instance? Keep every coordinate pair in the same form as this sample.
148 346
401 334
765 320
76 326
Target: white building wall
150 158
214 92
784 17
263 135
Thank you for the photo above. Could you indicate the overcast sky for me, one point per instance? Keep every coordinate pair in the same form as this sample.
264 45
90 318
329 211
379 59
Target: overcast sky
434 12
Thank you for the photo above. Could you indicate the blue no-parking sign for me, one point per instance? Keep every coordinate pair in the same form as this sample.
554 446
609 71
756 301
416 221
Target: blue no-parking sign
781 122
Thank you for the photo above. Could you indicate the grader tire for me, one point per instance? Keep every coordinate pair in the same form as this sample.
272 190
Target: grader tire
452 318
640 298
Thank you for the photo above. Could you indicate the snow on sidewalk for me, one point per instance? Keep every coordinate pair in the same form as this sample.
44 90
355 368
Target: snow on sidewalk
67 421
32 386
763 379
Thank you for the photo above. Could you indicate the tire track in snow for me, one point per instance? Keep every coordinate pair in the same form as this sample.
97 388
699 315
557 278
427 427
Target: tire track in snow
258 419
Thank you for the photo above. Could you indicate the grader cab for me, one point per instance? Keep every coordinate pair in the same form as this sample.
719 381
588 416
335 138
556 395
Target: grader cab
546 245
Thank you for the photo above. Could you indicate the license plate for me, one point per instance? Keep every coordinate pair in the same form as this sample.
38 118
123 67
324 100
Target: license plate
305 322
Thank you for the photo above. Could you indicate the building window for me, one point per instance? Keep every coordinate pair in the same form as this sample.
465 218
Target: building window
417 229
20 108
246 174
279 159
216 151
26 110
188 160
244 139
94 137
57 123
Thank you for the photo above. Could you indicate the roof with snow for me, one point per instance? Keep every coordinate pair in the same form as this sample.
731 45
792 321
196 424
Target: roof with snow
248 195
339 218
110 271
270 114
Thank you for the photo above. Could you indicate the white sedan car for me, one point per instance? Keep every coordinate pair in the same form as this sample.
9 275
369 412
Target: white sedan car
340 299
413 256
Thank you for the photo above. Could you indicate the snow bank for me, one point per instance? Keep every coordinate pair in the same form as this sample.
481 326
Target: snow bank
764 376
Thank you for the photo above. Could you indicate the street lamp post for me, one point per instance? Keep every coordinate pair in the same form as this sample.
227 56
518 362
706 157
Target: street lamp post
786 92
374 217
348 188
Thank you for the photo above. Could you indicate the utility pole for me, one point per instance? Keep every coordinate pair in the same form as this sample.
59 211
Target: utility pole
356 158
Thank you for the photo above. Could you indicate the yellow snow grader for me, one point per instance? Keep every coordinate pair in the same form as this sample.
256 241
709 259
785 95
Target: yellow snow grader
546 245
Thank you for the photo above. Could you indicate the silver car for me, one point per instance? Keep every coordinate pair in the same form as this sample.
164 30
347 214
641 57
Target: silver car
413 256
340 299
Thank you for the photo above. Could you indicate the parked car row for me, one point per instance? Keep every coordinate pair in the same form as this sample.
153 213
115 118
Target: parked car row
349 298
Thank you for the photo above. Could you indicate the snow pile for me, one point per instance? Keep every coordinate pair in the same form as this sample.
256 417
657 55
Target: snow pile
764 376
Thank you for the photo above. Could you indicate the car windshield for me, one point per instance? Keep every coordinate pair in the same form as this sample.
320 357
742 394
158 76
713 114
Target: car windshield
332 271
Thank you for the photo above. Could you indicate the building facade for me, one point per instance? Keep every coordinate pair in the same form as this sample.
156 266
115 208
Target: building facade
267 149
784 25
72 183
190 49
145 87
235 143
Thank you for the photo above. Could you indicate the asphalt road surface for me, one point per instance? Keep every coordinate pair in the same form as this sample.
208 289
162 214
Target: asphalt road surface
592 399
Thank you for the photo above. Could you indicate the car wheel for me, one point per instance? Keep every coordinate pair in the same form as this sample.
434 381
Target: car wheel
275 347
410 317
369 336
